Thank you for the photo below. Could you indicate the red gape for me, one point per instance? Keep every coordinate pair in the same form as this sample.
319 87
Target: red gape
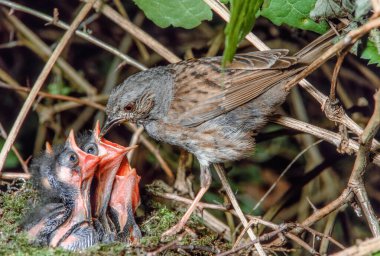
125 199
113 163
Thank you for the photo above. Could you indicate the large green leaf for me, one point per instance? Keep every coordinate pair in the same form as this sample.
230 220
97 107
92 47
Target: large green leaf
178 13
243 16
294 13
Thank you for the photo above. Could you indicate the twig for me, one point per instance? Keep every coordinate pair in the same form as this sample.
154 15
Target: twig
4 135
368 247
220 171
14 175
134 141
136 32
167 246
87 101
79 33
33 42
262 238
334 79
283 173
40 80
321 133
361 162
316 233
348 40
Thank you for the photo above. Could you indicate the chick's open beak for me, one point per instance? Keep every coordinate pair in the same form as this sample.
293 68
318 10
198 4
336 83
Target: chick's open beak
88 162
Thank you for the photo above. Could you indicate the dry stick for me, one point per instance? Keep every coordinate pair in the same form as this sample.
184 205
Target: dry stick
40 80
362 160
262 238
41 49
346 41
88 101
321 133
220 171
283 173
253 219
334 79
134 141
3 134
14 175
79 33
365 248
223 12
136 32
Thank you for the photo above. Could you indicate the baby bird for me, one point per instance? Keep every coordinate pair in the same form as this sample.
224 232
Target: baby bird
125 198
63 175
112 156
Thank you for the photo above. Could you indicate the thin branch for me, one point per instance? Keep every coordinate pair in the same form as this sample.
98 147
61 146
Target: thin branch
346 41
283 173
361 162
41 49
226 185
136 31
87 101
331 137
40 80
79 33
368 247
4 135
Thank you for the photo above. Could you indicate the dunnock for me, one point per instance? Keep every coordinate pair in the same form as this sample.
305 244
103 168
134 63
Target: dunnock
210 111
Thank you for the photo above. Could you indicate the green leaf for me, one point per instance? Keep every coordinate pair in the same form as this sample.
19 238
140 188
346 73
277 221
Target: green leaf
58 88
180 13
243 16
294 13
371 54
332 9
12 161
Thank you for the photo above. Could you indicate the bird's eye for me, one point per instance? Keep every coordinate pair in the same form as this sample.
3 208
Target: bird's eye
91 149
73 158
129 107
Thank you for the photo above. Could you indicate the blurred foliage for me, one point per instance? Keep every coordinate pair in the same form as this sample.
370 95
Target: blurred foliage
184 13
12 161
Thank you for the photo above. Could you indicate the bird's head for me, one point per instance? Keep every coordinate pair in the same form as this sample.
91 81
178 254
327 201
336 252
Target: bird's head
142 97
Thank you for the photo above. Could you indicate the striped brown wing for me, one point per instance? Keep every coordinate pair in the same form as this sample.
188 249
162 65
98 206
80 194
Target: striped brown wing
208 91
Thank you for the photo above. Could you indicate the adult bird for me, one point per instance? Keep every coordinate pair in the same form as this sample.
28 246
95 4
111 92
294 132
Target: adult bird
210 111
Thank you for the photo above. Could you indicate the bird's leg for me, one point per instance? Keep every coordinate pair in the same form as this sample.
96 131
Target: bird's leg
205 184
221 173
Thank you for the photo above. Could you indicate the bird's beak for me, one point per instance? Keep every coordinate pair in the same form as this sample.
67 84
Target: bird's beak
109 124
88 162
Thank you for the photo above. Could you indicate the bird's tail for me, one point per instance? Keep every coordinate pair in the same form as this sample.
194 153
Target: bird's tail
313 50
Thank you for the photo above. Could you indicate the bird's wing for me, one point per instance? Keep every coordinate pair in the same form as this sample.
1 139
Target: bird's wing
209 90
